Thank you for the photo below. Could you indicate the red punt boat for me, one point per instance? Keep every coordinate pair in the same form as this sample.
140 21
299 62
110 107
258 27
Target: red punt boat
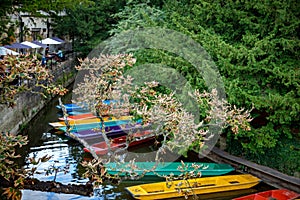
101 148
280 194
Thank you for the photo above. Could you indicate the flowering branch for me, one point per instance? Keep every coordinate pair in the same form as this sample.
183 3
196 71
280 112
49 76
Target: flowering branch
104 79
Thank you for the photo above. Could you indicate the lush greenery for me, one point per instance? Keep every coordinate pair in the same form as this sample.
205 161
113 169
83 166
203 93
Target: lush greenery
87 26
255 45
283 157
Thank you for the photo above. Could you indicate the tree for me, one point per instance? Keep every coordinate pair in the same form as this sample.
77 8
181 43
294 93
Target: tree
256 47
251 42
5 22
87 26
105 78
25 73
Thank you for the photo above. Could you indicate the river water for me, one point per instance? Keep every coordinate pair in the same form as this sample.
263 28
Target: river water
69 154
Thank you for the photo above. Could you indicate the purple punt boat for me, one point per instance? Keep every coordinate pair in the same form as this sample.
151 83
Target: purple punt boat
111 131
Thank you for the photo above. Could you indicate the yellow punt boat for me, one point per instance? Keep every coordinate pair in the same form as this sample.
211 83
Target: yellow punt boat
88 121
180 188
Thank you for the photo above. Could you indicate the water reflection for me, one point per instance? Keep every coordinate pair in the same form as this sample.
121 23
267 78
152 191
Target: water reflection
64 157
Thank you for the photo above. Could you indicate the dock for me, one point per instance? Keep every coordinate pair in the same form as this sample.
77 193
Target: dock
268 175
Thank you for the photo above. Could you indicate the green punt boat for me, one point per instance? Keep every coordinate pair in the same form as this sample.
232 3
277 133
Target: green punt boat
168 168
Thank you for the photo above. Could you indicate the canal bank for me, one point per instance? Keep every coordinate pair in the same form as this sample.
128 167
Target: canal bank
28 104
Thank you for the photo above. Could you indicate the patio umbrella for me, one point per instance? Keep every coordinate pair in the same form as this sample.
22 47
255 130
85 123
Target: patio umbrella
32 45
58 39
17 45
4 51
50 41
39 43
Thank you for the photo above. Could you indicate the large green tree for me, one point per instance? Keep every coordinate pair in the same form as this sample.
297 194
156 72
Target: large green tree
87 26
255 45
6 26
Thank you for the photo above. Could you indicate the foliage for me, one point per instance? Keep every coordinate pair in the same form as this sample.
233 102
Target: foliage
105 78
8 169
284 157
256 47
141 15
7 27
54 169
87 26
16 75
35 7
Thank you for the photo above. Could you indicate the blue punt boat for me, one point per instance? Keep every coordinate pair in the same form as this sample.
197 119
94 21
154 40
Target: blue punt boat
74 107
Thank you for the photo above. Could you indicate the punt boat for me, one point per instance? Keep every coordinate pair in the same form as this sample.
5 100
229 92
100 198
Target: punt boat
280 194
89 121
181 188
168 168
101 148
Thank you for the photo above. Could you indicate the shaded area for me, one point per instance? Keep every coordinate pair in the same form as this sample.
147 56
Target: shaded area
50 186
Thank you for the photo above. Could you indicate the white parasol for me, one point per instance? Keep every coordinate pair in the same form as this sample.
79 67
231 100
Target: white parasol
32 45
4 51
50 41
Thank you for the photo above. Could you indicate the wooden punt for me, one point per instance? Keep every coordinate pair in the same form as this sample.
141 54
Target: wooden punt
79 116
280 194
109 124
75 107
101 148
167 168
111 131
181 188
72 107
89 121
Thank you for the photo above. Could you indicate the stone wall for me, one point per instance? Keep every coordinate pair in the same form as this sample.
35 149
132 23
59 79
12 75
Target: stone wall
28 105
